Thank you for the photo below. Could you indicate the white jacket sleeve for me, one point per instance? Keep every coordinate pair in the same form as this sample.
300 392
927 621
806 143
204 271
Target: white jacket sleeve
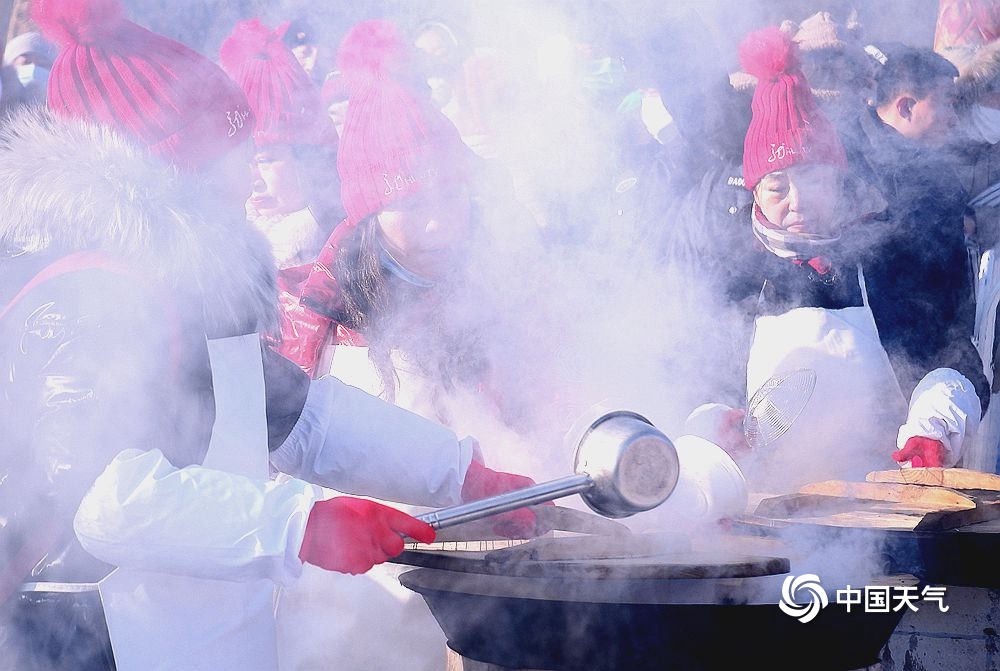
143 512
943 406
354 442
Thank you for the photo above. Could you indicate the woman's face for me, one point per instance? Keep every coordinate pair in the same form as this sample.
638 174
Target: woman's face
802 199
279 188
427 231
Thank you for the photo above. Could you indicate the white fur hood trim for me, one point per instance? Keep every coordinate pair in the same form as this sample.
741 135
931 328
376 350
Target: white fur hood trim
74 185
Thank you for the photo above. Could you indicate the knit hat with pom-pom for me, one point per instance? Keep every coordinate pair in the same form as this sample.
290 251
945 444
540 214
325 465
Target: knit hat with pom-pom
285 101
395 142
110 70
787 127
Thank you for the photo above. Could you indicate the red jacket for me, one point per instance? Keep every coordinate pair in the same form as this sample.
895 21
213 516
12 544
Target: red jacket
309 300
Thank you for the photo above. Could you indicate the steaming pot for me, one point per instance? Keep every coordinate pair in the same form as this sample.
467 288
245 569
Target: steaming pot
677 610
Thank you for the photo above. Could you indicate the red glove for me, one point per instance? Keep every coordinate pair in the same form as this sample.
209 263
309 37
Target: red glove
734 440
351 535
922 452
481 482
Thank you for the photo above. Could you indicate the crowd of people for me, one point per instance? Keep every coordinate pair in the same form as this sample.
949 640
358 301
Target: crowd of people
251 299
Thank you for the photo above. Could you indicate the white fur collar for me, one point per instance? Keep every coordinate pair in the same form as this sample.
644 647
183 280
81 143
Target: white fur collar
75 185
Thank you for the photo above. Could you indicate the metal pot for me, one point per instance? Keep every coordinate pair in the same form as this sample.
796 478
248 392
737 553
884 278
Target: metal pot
633 466
624 465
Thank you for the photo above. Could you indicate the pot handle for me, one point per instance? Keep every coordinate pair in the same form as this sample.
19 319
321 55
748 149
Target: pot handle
501 503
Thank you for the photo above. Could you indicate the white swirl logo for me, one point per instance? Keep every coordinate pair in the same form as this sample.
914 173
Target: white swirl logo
817 597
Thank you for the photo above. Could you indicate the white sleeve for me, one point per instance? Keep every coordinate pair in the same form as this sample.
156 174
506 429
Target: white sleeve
143 512
943 406
708 421
354 442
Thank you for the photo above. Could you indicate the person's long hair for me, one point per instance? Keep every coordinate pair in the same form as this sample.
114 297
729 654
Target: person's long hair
381 307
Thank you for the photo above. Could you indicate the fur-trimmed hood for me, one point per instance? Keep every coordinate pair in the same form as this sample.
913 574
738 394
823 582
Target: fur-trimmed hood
73 185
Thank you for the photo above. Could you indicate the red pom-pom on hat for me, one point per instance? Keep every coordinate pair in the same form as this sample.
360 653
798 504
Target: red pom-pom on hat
767 53
250 40
285 102
394 140
78 21
372 49
787 127
166 95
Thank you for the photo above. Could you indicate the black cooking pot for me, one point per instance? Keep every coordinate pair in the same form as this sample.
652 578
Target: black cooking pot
961 557
611 620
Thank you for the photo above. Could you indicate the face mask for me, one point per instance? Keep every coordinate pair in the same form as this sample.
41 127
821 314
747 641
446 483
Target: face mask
787 245
984 124
27 74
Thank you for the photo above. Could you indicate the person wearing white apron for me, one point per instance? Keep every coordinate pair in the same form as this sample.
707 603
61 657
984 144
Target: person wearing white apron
154 616
849 423
813 311
201 548
108 405
984 453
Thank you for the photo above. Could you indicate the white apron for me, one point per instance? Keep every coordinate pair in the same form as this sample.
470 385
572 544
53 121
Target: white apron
849 425
161 622
319 617
981 452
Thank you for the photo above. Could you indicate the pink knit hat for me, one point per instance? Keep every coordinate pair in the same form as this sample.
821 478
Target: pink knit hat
394 142
787 127
110 70
284 100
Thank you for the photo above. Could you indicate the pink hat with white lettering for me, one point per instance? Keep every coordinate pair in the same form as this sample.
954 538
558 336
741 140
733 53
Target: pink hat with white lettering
787 126
395 142
111 70
285 102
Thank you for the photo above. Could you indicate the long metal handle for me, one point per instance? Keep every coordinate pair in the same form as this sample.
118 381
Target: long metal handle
501 503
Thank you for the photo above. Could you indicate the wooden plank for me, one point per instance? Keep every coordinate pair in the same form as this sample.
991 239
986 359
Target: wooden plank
799 507
792 505
956 478
864 519
945 520
914 496
559 518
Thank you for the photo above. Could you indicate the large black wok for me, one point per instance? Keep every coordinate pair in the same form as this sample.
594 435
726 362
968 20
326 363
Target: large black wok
960 557
641 615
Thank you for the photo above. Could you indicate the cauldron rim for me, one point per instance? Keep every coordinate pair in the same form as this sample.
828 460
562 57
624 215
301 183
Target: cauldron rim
572 634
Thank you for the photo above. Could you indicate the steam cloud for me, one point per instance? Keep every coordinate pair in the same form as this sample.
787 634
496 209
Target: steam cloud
579 311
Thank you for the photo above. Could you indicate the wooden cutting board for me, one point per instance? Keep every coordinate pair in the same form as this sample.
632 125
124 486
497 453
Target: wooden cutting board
910 496
876 505
956 478
944 520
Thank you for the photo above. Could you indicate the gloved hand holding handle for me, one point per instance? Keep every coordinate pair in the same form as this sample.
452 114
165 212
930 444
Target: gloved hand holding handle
482 482
350 535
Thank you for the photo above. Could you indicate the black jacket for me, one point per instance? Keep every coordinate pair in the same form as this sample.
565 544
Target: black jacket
912 300
916 260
